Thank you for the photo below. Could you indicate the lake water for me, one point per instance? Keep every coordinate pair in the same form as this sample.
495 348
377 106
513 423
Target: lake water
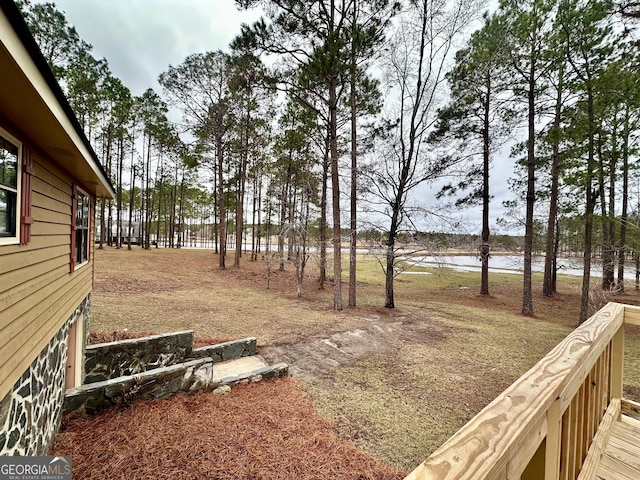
512 264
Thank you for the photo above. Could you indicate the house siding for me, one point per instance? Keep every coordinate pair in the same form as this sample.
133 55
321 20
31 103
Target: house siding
38 294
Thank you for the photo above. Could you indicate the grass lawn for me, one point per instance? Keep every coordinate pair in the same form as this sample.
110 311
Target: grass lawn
397 383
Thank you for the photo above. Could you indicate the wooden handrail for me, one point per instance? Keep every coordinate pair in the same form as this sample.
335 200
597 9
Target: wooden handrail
544 424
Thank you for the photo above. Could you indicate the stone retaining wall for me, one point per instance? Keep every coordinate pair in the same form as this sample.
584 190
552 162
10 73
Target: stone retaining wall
222 352
104 361
162 382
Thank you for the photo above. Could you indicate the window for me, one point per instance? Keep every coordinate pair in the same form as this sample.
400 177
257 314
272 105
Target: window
9 187
81 247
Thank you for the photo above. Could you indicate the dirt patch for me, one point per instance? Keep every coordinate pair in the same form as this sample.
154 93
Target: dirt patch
632 393
402 403
387 330
263 431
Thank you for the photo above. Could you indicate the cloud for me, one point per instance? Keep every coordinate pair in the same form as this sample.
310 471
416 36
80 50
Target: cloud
141 38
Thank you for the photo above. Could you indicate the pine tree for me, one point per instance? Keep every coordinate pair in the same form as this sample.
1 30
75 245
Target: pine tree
471 125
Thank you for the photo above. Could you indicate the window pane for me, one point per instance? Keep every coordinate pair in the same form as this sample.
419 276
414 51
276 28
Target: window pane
82 246
81 252
7 214
79 209
85 244
8 163
85 213
79 247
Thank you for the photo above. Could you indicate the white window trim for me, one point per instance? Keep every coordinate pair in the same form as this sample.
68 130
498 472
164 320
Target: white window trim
15 239
79 191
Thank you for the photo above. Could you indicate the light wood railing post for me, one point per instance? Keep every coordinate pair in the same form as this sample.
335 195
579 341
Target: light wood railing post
554 436
617 363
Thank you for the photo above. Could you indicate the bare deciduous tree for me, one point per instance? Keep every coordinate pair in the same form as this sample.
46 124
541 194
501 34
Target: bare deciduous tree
418 55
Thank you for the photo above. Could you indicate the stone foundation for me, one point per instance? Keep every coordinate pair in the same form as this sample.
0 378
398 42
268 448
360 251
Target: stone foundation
31 413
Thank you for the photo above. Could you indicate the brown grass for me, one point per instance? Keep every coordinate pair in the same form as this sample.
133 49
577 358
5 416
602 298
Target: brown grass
167 290
451 353
261 431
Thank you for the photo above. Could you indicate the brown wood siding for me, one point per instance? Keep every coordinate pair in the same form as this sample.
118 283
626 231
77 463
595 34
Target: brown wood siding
37 292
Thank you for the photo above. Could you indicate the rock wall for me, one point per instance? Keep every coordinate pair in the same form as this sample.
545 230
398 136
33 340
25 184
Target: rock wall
31 413
105 361
222 352
162 382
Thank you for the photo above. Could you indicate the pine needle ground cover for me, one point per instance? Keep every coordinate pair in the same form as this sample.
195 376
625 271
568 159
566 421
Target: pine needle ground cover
268 430
396 383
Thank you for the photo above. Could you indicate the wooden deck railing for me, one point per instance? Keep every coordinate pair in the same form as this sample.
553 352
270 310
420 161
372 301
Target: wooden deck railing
554 421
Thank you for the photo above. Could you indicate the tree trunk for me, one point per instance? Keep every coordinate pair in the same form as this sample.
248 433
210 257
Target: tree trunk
254 201
588 235
148 196
625 202
244 159
222 235
259 231
335 199
389 300
143 204
353 236
160 189
268 232
284 195
292 199
215 210
590 206
103 202
110 173
132 191
119 191
607 252
554 271
173 208
323 216
485 247
335 175
103 205
527 295
301 250
181 211
611 214
548 285
388 290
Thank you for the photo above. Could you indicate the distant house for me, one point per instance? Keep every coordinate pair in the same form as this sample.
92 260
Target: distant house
124 232
49 181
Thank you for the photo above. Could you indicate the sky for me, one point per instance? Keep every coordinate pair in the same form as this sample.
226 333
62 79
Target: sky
141 38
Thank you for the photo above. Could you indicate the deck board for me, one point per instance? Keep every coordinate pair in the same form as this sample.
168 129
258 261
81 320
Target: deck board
621 458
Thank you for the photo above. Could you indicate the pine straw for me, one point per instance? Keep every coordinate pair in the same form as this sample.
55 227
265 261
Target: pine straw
267 430
116 336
